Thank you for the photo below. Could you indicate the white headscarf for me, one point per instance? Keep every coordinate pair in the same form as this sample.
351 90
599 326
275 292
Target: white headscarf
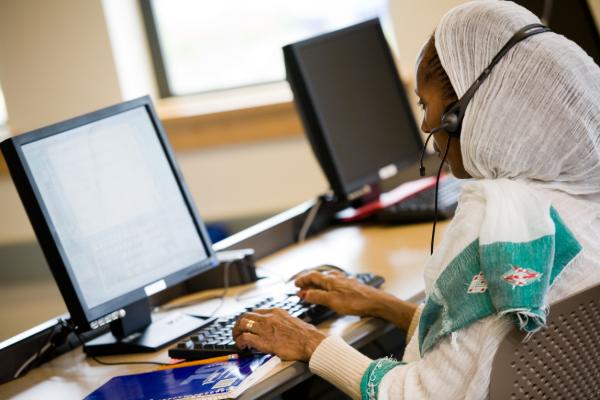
537 116
530 137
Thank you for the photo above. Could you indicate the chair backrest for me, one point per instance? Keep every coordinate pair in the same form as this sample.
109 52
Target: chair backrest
562 361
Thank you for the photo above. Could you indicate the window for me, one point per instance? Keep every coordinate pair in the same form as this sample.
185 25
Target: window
201 46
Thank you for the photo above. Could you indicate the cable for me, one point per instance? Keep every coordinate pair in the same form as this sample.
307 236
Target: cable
78 336
129 362
34 357
437 184
186 304
225 289
260 290
196 301
421 166
310 218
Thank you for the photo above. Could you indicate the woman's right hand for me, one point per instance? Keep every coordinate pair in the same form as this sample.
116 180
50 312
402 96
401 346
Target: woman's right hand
345 296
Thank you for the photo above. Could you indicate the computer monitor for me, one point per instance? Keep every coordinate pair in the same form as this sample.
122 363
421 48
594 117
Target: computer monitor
354 107
114 219
572 19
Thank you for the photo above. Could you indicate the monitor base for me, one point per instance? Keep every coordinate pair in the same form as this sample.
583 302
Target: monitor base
155 336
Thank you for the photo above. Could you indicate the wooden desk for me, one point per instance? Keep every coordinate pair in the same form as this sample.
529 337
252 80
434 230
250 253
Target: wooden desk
396 253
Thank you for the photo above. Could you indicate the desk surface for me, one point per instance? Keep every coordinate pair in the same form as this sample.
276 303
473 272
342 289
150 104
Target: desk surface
396 253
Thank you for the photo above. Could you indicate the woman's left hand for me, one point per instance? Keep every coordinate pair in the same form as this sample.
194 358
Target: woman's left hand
276 332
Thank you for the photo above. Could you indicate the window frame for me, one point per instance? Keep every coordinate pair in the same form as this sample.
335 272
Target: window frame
156 52
159 65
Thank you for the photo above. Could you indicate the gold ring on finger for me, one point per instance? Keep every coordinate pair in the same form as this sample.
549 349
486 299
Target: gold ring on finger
249 324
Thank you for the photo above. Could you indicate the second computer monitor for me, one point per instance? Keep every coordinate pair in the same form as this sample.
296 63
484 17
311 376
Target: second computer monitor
354 107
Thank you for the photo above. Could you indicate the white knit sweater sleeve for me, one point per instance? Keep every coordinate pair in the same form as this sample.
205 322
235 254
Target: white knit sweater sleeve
451 370
342 365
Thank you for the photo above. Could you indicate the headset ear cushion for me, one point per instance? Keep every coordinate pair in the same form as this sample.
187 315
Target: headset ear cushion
450 122
450 119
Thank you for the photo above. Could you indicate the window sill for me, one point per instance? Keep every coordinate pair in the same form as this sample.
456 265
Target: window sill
230 117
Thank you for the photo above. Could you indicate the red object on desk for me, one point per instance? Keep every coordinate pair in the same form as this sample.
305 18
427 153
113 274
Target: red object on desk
386 199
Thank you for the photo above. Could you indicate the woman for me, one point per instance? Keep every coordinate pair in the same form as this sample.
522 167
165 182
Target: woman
526 232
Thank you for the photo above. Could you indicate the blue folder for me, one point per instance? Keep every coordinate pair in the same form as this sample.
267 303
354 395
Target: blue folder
210 381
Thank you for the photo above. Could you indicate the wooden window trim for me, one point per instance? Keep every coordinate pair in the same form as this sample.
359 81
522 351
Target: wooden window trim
245 125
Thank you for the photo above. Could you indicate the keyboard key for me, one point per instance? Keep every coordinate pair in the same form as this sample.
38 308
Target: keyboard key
188 344
298 313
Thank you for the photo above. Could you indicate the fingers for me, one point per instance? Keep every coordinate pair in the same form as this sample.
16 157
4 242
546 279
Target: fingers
317 296
316 280
249 322
250 340
239 327
256 322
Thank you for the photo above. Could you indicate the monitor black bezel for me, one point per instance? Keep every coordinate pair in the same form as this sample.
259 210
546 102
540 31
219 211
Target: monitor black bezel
319 141
43 227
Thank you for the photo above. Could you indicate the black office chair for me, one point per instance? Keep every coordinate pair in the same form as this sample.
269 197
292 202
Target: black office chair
562 361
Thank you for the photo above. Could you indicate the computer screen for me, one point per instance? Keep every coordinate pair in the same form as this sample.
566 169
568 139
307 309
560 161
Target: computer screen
354 107
118 213
109 207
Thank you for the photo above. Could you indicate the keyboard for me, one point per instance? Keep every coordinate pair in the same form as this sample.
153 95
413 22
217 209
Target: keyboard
420 206
215 338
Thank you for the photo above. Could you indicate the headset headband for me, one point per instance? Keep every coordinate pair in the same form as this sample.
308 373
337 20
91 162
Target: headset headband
452 118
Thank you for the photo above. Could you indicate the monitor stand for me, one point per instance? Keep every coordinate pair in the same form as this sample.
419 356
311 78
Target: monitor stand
137 332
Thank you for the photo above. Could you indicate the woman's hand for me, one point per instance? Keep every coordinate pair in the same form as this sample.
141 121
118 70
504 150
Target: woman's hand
348 296
345 296
276 332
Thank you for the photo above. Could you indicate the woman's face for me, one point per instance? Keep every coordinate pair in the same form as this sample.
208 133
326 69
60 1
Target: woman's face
431 101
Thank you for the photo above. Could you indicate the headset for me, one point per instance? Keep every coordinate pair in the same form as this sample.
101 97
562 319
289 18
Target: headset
452 118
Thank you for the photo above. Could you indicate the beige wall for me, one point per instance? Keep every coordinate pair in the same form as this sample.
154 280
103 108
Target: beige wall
14 226
595 6
413 22
55 60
